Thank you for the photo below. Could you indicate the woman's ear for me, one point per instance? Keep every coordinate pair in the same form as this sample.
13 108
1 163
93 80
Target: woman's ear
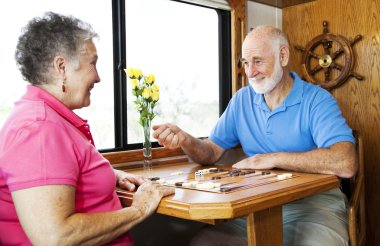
284 56
59 65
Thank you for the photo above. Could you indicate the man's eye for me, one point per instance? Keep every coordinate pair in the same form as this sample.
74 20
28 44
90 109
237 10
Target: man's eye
258 62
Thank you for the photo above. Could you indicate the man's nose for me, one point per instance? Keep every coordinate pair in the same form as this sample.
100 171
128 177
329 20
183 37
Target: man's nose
251 70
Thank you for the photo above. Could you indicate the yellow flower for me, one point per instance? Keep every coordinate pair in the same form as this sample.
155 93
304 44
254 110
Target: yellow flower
155 95
130 72
155 87
146 93
134 83
149 79
138 73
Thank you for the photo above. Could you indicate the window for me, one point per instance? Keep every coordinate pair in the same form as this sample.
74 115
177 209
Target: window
186 46
100 114
182 52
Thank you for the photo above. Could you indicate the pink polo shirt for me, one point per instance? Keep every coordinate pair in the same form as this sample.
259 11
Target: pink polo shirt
45 143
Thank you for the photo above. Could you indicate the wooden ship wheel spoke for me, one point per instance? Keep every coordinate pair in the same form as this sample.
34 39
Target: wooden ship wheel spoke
328 59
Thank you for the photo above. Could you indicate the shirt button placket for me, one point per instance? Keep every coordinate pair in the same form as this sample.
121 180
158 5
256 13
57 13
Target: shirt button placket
269 126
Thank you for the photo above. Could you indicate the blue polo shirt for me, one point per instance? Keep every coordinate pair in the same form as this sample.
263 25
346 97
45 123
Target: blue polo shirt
307 119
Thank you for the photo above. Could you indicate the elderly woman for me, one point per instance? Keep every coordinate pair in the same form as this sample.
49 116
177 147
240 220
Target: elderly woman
55 187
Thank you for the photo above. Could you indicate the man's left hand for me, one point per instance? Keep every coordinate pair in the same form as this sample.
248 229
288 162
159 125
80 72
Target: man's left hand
259 161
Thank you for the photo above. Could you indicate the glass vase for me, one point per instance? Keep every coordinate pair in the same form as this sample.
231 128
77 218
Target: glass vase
147 149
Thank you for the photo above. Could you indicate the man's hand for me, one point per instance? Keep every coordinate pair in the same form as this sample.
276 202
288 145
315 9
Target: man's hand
169 135
259 161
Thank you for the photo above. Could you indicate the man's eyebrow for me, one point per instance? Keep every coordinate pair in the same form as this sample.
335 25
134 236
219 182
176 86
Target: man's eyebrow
252 58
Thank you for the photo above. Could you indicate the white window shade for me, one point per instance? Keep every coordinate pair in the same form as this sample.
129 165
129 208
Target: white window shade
219 4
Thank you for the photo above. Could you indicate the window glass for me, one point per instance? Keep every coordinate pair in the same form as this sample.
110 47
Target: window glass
178 43
15 14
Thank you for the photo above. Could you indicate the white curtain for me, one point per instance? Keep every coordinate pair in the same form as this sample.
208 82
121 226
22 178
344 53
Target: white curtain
219 4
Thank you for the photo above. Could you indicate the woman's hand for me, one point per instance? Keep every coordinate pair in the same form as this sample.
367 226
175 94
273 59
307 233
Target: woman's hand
148 196
128 181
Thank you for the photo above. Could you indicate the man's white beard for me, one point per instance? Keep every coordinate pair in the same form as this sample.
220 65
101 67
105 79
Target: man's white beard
268 84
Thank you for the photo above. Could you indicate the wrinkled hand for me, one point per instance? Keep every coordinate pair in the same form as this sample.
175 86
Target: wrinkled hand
148 196
169 135
128 181
259 161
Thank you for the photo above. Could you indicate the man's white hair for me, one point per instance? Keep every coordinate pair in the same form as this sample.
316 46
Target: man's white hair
275 35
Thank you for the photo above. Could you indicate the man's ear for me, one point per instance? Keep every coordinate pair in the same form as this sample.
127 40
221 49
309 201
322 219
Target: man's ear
284 56
59 63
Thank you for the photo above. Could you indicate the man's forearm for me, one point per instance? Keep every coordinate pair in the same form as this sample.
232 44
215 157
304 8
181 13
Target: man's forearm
201 150
339 159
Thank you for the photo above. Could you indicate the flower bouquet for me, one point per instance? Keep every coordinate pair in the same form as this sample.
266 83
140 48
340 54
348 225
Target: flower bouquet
147 95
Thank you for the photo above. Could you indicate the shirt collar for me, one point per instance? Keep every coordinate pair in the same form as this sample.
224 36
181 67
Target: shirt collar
294 97
37 94
296 93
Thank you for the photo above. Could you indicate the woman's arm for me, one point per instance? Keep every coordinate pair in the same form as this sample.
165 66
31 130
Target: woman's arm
47 215
128 181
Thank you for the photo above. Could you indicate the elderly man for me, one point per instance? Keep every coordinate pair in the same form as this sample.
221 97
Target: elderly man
282 122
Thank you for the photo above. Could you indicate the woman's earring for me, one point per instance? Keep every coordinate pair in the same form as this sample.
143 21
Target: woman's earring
63 86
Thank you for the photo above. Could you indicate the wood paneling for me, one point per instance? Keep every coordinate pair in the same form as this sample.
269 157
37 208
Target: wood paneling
359 100
238 26
281 3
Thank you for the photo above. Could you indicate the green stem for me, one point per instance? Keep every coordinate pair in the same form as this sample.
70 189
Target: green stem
147 146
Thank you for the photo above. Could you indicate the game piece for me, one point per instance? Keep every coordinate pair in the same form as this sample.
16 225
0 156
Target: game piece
193 183
176 173
171 182
161 181
213 170
154 178
284 176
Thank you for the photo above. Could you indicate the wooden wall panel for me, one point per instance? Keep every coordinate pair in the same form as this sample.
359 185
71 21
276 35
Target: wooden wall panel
238 26
359 100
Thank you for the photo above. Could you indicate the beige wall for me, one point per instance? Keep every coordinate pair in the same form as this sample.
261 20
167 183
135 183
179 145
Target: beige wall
259 14
359 100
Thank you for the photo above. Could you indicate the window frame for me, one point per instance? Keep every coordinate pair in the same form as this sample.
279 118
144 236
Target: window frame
119 63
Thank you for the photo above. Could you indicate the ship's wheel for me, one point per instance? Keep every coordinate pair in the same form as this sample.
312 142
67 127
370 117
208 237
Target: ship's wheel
328 59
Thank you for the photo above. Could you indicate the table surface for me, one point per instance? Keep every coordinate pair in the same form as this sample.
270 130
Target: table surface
209 206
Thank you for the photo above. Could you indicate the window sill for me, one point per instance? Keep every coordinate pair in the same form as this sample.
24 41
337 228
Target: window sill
134 158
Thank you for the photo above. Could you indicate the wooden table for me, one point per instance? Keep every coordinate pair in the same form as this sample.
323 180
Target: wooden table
262 205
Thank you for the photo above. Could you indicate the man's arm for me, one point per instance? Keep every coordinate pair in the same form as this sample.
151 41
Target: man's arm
201 151
47 215
339 159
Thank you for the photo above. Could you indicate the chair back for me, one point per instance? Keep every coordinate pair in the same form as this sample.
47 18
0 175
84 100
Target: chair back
354 190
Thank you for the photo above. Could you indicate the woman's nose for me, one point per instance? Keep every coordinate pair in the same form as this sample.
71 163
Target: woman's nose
97 79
